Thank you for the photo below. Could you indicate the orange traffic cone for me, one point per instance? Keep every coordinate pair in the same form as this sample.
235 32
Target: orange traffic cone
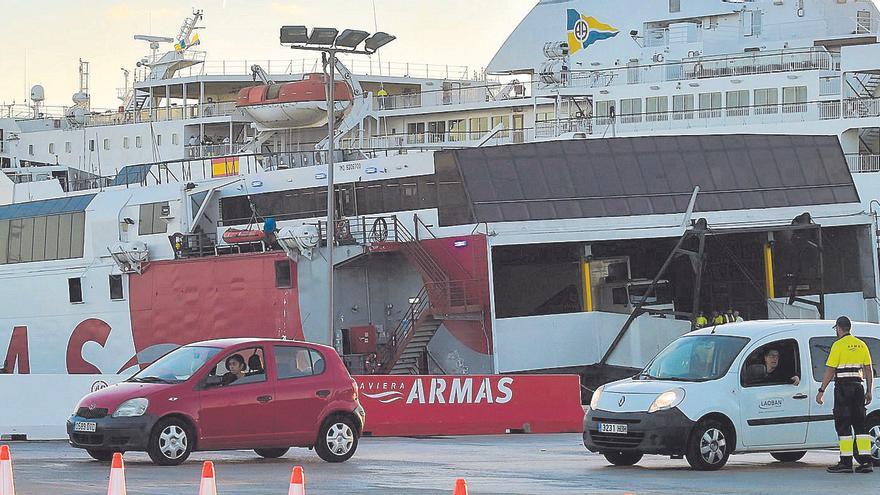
7 487
297 482
117 476
208 485
460 487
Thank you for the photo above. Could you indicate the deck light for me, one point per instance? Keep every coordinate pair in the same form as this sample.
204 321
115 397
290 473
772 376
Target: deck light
351 38
323 36
378 40
294 34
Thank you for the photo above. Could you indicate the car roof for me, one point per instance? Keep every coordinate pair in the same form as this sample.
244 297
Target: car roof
761 328
235 342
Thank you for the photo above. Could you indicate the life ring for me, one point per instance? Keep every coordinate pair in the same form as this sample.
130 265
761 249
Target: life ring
343 229
379 232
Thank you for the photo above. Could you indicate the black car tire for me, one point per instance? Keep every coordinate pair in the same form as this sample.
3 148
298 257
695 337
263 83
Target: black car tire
789 456
623 458
709 445
271 453
337 439
101 455
171 442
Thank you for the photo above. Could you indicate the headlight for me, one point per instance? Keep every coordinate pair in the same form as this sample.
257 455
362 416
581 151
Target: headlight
667 400
594 402
131 408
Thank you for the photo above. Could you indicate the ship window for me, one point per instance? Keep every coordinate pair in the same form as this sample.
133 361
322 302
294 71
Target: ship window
106 143
766 100
138 142
91 145
630 110
656 108
39 252
504 120
31 149
283 278
174 139
4 241
77 234
674 6
737 102
116 292
273 91
27 240
604 108
794 99
67 147
51 237
158 140
51 148
478 127
710 105
74 289
64 225
125 142
457 130
150 220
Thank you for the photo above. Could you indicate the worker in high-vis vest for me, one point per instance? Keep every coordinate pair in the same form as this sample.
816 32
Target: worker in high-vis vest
701 320
849 364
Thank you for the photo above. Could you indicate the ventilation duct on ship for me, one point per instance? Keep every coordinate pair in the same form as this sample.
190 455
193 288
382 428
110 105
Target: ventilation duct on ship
130 257
301 240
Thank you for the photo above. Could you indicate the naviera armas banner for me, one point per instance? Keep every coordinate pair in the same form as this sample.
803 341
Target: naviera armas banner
470 404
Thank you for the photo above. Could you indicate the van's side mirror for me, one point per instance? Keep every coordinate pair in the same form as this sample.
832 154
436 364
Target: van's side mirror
212 381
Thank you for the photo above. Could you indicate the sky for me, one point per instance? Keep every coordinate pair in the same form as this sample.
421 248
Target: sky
43 40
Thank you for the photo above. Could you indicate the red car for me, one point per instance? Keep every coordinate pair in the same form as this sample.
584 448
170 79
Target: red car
261 394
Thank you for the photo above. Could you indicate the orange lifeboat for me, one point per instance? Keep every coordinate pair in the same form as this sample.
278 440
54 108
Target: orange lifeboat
242 236
293 104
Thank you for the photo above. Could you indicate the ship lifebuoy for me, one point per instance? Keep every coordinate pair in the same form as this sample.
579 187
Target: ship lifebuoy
379 232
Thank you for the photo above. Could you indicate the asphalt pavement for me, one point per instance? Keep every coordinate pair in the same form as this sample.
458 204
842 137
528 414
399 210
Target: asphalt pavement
513 464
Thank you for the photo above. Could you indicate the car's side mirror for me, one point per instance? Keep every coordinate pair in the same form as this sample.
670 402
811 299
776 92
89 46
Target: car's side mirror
211 381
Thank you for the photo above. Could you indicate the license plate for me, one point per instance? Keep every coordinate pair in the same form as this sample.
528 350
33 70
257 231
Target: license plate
612 428
86 426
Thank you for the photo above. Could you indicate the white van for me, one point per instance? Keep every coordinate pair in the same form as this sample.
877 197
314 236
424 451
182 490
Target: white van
707 395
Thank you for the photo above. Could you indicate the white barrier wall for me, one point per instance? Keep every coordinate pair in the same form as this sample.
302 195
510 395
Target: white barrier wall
38 405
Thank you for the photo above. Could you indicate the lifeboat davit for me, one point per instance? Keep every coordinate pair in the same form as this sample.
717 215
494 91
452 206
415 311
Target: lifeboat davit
243 236
293 104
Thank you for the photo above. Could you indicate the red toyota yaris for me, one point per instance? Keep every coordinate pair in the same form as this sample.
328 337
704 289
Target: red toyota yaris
261 394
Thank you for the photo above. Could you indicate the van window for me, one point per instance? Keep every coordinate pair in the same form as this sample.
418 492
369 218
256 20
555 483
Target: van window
775 363
820 347
242 367
695 358
296 362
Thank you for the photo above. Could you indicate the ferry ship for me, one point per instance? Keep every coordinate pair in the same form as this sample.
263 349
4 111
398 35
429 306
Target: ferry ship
619 168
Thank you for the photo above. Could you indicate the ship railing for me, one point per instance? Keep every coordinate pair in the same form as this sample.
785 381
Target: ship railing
358 66
705 68
863 163
161 114
447 97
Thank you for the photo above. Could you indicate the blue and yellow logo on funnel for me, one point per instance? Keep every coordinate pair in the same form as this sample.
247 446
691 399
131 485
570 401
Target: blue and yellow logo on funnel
583 31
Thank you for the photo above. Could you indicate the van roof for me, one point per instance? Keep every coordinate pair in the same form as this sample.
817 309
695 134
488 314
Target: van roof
760 328
233 342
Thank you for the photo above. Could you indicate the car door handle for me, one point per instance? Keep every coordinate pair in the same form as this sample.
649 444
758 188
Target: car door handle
322 393
800 396
264 399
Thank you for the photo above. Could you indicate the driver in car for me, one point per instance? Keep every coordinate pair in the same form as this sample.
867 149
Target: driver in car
235 365
773 373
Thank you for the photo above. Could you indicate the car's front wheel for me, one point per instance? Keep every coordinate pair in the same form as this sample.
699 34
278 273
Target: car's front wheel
789 456
623 458
337 439
709 445
100 454
170 442
271 453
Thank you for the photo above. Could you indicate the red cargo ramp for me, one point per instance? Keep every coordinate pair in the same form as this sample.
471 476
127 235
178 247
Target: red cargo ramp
470 405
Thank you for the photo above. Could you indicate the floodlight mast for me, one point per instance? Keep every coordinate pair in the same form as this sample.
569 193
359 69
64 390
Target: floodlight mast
329 42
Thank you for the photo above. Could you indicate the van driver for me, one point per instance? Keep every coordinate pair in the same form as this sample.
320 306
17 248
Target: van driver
775 374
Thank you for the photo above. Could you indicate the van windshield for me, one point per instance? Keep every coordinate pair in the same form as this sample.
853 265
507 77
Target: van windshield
176 366
695 358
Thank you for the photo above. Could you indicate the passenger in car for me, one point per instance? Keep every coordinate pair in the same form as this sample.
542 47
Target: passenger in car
255 364
235 365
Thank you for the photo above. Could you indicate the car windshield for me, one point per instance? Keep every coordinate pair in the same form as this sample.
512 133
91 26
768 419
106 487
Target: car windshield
176 366
695 358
